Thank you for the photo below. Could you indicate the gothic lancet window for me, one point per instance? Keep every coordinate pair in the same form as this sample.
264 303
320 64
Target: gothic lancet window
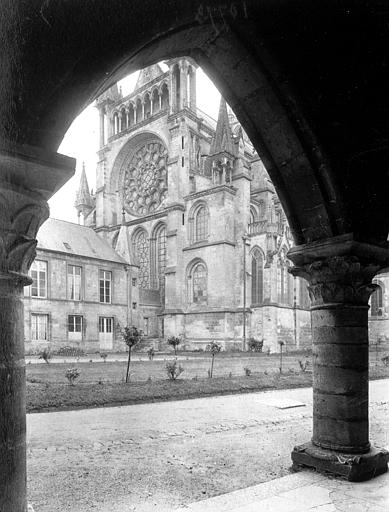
140 245
256 277
201 224
159 259
155 101
197 284
164 97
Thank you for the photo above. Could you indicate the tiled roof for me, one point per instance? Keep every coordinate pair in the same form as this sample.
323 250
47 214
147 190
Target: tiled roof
63 236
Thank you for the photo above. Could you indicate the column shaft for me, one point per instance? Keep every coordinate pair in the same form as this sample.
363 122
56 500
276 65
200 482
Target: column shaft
12 398
340 378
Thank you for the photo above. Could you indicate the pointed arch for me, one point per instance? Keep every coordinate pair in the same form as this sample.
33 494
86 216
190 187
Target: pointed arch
257 265
199 222
155 101
158 257
164 96
377 300
139 110
147 105
131 115
197 282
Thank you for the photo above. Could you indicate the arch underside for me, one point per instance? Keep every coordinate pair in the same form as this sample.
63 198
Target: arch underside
305 94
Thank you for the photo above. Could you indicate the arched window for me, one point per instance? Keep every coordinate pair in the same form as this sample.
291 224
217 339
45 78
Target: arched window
256 276
164 97
177 86
261 210
147 106
253 215
140 246
123 119
155 101
131 115
160 242
201 224
376 302
139 110
115 123
197 283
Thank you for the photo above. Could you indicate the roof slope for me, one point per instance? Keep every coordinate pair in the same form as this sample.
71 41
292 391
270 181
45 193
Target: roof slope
67 237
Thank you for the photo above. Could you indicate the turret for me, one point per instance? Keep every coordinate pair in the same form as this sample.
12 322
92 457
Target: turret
223 151
83 202
182 84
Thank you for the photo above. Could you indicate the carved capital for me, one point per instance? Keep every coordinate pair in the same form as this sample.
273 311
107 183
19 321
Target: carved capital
22 212
343 279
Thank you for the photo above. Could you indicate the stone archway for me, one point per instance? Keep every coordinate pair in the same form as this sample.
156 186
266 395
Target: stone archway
308 83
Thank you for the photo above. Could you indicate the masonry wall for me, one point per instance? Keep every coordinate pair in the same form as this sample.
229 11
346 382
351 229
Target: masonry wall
58 307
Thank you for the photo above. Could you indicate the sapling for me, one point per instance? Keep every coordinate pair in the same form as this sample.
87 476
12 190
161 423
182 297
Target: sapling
214 348
131 337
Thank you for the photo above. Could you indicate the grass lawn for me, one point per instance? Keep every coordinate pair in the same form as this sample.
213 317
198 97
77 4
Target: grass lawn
102 384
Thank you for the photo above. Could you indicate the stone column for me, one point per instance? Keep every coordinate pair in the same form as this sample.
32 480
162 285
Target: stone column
27 179
340 273
184 84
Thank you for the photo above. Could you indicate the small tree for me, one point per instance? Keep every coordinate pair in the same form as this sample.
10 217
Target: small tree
72 374
131 337
214 348
174 341
103 356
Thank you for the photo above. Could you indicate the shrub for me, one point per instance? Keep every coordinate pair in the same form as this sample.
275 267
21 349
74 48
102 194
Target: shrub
70 351
255 345
104 356
304 365
151 353
174 341
247 371
214 348
173 369
46 355
72 374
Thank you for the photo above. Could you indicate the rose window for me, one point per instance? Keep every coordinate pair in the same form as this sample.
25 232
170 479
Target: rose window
145 179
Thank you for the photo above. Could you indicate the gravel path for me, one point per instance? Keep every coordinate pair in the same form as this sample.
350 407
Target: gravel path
158 457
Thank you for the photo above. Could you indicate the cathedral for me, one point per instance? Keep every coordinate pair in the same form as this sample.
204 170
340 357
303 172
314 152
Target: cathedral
187 202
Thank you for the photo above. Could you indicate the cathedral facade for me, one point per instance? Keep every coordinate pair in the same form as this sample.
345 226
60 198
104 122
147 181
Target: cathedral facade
187 201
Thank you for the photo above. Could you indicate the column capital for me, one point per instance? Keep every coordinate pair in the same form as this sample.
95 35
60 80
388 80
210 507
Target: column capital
339 270
28 178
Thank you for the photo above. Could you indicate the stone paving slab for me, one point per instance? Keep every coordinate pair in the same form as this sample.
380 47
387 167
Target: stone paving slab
302 492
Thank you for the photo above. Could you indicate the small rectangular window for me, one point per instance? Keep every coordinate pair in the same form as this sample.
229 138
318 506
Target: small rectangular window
134 305
182 161
75 323
134 281
182 142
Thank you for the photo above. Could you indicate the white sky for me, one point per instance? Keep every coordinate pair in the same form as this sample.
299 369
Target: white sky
82 142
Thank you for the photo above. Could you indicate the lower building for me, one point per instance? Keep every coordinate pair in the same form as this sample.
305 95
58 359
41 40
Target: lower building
79 296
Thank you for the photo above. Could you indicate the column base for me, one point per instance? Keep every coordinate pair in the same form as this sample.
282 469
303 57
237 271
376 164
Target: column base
352 467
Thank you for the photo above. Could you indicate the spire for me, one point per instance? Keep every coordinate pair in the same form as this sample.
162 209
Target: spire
148 74
223 141
83 202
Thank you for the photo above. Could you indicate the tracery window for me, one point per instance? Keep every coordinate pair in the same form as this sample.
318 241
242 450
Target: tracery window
197 284
140 244
376 302
201 224
159 259
256 277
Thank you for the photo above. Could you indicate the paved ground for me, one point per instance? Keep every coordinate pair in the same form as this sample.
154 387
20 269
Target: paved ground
164 456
